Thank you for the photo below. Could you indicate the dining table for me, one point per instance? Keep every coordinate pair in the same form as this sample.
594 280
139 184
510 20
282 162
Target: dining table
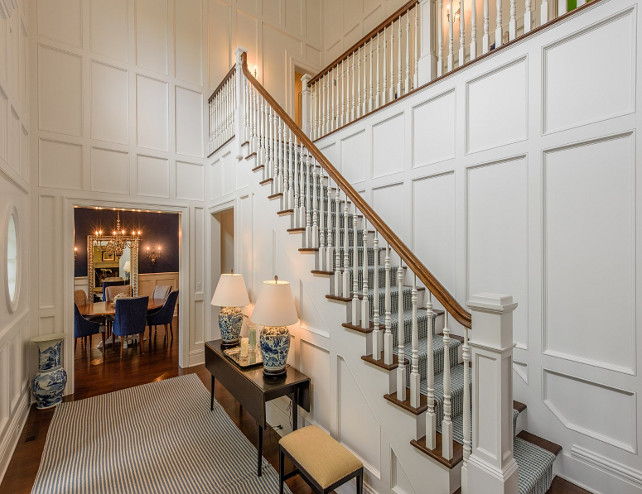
97 310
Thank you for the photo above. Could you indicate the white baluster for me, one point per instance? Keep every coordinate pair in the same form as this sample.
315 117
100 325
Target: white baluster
431 416
415 378
392 62
440 36
346 249
406 86
355 268
401 336
344 118
580 3
315 206
308 209
451 18
416 50
499 32
528 17
290 195
387 334
399 60
337 254
365 302
561 7
543 13
364 100
329 226
384 92
473 31
348 90
371 95
273 156
359 95
334 100
485 37
446 423
297 183
462 34
322 223
280 185
377 100
466 413
512 23
376 334
353 109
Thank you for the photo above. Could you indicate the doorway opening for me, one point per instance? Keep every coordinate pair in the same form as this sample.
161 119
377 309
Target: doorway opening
125 254
222 242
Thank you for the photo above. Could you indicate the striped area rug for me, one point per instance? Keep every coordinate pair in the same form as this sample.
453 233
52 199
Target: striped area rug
156 438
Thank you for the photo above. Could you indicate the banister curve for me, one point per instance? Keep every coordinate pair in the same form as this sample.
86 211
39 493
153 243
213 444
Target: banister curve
460 314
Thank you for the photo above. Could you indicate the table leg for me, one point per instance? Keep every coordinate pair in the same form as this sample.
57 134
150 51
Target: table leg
212 395
258 473
295 411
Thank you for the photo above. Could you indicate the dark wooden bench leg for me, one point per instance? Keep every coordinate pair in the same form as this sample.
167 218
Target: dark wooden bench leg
281 469
258 473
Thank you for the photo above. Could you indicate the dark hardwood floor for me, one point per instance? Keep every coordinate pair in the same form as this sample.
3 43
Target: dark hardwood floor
98 373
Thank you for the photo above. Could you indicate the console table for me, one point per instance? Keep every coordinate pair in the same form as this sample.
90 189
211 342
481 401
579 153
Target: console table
252 389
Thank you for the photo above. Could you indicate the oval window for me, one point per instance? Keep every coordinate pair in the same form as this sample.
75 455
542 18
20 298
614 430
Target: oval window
12 260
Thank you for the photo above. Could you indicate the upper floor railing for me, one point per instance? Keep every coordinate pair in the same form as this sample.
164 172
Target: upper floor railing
419 43
222 105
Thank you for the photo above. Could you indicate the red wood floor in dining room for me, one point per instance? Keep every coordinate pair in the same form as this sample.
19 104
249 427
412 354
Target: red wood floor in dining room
98 373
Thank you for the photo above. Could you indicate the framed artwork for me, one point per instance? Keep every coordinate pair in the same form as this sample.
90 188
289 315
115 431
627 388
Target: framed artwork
108 256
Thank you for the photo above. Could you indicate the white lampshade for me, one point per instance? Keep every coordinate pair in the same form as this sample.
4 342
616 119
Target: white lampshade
275 305
230 291
127 267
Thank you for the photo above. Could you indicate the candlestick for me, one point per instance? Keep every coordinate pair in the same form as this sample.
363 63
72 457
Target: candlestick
245 347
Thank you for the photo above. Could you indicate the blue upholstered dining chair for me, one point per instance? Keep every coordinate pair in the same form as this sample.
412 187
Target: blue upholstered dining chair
164 316
110 283
84 328
131 315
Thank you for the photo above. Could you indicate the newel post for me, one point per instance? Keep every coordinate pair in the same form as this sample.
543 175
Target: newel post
306 104
491 467
239 111
427 66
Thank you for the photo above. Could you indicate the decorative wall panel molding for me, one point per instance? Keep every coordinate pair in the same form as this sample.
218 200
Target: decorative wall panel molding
153 176
353 151
582 406
60 165
433 130
387 158
109 103
109 171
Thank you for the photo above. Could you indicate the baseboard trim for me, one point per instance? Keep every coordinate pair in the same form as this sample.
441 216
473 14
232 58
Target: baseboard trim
8 445
612 467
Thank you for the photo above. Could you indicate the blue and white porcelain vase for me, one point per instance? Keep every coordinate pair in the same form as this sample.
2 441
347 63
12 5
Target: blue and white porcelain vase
230 320
50 380
275 345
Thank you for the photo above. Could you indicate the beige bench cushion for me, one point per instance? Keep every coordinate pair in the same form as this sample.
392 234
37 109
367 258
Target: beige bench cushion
323 458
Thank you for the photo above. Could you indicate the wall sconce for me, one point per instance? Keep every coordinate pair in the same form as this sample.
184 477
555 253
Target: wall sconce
75 253
153 255
457 14
255 71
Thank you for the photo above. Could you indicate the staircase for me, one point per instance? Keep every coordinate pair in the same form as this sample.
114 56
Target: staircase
371 272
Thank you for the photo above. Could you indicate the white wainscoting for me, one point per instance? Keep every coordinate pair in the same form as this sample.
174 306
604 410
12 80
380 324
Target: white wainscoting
498 181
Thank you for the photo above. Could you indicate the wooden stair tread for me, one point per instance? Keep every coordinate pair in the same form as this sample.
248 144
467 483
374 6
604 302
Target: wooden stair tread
519 406
246 143
337 298
541 442
321 272
296 230
250 156
379 363
405 404
458 451
308 250
286 211
563 486
266 181
257 168
361 329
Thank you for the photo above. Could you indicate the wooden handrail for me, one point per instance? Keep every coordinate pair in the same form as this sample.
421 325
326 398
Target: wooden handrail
417 267
227 77
388 21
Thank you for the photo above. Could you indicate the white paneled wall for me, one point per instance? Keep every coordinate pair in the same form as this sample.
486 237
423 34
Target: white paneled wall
524 178
120 98
16 323
277 34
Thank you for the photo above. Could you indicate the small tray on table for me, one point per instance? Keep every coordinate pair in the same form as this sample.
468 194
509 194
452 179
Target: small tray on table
253 358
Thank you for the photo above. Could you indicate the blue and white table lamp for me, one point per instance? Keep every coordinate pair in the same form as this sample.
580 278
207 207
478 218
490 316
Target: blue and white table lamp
230 295
275 310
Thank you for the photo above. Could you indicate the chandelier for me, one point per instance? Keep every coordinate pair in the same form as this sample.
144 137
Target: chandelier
119 241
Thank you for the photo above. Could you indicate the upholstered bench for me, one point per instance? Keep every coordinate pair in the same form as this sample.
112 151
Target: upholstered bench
321 460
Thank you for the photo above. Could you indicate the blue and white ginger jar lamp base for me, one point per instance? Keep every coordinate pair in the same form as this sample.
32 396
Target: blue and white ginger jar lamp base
49 382
230 320
275 345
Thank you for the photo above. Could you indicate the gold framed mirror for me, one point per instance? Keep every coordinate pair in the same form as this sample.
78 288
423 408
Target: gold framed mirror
103 264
